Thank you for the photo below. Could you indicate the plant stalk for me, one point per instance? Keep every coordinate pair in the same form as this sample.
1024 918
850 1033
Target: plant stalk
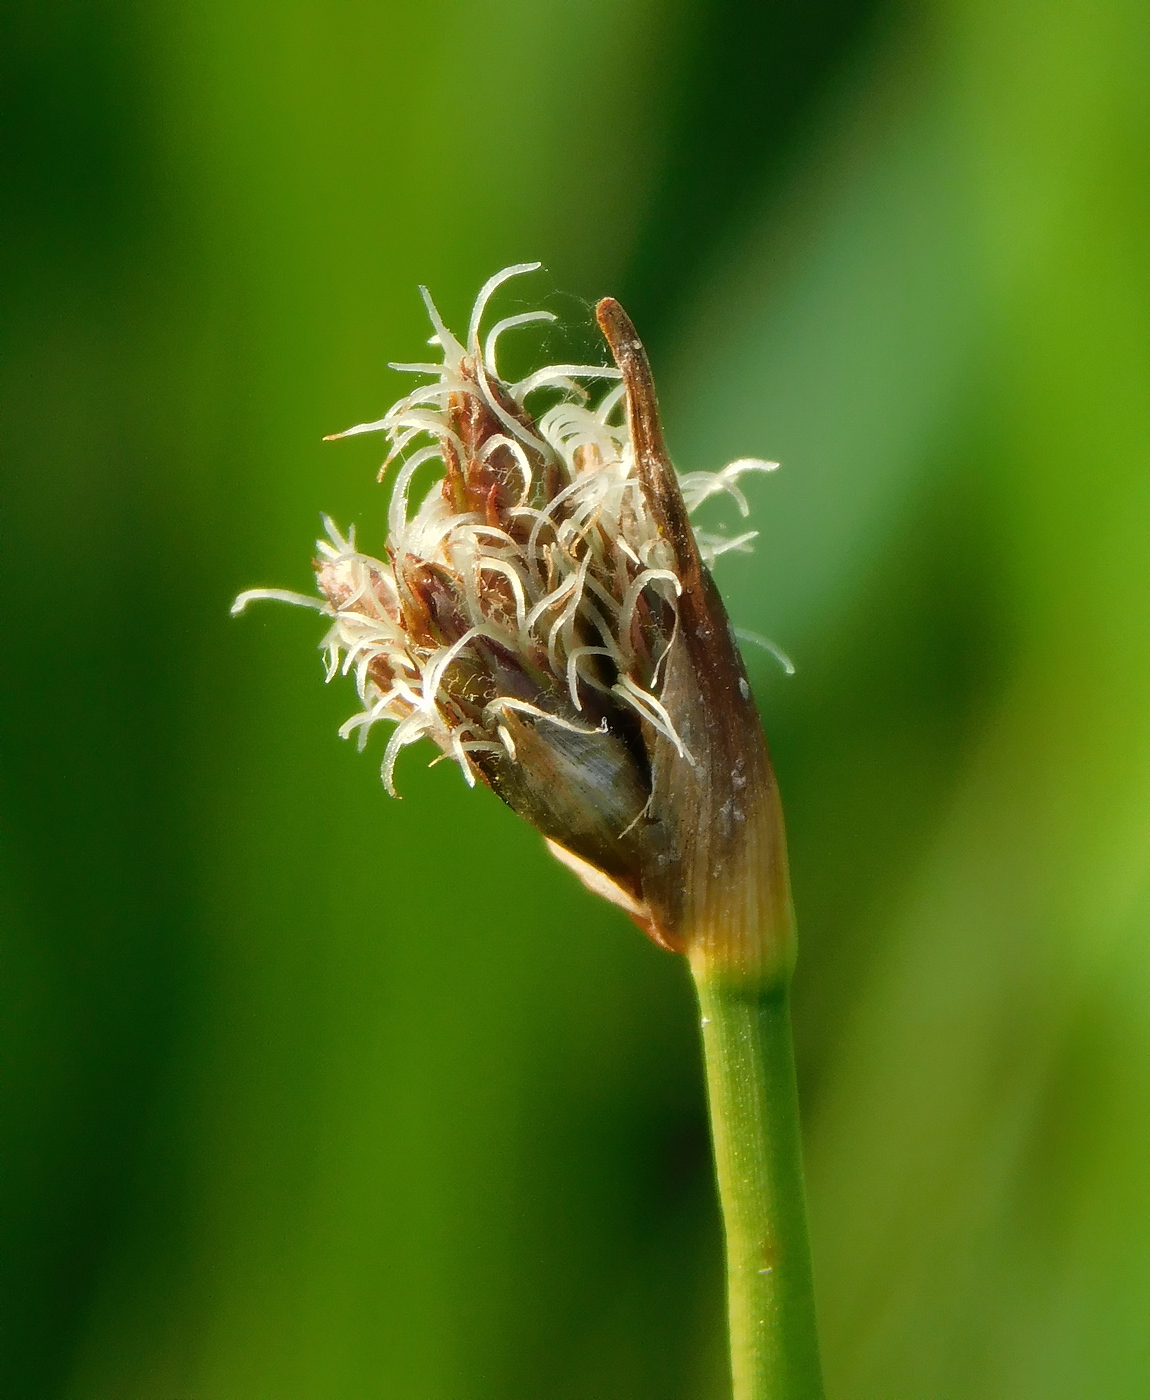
758 1158
713 883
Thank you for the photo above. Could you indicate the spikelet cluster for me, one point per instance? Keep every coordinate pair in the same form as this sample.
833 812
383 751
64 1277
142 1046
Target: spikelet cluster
529 598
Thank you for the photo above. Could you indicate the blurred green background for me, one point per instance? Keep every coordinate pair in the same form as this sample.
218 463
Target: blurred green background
312 1095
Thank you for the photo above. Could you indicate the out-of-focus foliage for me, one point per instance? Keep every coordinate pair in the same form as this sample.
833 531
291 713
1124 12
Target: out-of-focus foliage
309 1095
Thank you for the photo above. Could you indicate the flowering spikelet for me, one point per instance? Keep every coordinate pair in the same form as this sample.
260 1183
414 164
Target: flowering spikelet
536 614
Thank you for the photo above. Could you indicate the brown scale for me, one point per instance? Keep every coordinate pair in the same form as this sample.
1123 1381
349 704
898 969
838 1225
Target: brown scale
489 487
384 674
498 600
654 623
465 691
501 394
430 601
472 420
478 676
513 674
431 596
339 595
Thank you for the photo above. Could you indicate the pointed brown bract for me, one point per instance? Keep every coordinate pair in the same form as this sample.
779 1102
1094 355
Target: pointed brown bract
715 876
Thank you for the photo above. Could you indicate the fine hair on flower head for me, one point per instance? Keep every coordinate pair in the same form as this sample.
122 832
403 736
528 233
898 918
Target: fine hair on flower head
524 612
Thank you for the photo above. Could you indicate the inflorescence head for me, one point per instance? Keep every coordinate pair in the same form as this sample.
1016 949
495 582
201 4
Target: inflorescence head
528 614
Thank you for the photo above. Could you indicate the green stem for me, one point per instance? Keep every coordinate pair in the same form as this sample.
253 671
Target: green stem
758 1159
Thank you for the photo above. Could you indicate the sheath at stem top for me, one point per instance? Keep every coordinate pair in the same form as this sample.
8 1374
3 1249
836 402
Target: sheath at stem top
546 617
